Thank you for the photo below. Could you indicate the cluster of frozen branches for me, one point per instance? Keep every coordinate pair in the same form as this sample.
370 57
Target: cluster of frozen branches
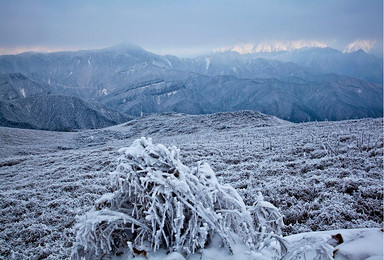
157 202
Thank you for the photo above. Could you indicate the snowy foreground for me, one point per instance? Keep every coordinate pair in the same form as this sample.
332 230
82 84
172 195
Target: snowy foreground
358 244
321 175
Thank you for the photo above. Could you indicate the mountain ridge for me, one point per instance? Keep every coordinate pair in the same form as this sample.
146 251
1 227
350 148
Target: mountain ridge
57 113
135 82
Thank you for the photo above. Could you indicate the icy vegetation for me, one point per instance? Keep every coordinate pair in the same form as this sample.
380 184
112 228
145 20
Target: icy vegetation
321 175
160 203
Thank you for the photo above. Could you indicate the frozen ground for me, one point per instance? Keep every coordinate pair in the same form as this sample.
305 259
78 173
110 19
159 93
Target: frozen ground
322 175
357 243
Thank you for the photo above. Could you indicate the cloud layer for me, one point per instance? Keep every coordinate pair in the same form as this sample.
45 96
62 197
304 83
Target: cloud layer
365 45
186 26
272 46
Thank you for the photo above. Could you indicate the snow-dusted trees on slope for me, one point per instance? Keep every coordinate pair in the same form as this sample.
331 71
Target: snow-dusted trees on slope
157 202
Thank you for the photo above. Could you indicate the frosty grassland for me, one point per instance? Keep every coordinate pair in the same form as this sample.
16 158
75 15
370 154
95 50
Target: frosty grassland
321 175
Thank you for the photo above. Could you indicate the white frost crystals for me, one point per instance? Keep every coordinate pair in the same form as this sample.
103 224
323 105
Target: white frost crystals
159 203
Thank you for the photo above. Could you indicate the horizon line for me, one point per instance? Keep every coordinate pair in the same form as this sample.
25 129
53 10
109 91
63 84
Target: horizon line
181 52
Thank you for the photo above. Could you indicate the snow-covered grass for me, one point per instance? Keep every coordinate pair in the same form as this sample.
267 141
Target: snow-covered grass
322 175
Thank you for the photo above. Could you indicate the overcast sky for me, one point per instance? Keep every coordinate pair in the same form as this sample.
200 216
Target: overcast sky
185 27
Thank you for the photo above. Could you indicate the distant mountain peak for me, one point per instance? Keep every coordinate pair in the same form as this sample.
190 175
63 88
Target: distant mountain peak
124 46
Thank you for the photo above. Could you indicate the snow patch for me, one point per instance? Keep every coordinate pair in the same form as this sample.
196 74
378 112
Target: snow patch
155 85
170 64
158 100
172 93
207 63
22 92
356 244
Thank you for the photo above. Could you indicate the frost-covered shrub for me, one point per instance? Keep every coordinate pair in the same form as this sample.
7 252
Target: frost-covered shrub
157 202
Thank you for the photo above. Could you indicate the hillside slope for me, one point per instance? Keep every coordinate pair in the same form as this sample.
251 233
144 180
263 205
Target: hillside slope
17 85
57 113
